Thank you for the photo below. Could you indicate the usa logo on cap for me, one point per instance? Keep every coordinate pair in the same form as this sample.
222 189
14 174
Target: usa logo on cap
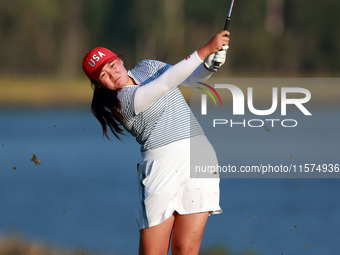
95 60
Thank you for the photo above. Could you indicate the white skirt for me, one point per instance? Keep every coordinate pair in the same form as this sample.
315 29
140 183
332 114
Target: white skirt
165 185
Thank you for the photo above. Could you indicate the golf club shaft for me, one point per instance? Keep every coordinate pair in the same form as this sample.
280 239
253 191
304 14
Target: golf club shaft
227 22
226 27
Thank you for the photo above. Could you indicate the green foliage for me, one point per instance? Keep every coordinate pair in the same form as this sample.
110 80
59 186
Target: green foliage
268 37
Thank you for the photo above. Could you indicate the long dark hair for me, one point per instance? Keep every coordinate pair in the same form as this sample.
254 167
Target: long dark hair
105 107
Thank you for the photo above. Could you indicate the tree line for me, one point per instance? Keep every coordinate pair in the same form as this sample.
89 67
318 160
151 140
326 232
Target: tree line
268 37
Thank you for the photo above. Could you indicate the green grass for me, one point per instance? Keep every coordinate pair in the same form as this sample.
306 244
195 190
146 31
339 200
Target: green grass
50 91
15 245
44 92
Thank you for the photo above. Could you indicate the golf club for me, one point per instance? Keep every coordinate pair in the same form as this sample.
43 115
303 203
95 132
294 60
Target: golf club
226 27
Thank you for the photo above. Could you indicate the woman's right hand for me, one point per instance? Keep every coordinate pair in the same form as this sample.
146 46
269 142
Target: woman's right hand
214 45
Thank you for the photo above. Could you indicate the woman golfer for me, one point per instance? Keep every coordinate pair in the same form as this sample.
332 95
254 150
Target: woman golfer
148 104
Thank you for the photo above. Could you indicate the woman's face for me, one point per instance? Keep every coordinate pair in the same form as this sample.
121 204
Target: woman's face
114 75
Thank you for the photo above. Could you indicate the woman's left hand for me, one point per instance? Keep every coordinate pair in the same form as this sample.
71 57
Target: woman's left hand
219 57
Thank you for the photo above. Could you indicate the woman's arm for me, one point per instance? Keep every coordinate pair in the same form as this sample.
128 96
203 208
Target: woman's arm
174 76
177 74
201 74
204 71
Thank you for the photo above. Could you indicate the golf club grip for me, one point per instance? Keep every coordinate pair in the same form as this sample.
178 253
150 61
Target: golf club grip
226 27
227 23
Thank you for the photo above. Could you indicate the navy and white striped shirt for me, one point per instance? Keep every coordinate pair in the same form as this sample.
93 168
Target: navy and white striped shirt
167 120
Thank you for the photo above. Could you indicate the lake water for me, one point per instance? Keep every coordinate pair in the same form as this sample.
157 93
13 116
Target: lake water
84 192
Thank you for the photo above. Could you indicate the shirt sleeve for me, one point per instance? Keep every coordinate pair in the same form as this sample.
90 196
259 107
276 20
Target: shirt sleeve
173 77
201 74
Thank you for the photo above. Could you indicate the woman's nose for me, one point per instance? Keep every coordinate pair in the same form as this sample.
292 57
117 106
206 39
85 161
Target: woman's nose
111 72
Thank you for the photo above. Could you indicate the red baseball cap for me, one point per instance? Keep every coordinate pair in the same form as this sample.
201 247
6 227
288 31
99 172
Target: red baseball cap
95 60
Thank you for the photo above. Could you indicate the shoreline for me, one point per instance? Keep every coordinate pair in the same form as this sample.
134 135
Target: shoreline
47 92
